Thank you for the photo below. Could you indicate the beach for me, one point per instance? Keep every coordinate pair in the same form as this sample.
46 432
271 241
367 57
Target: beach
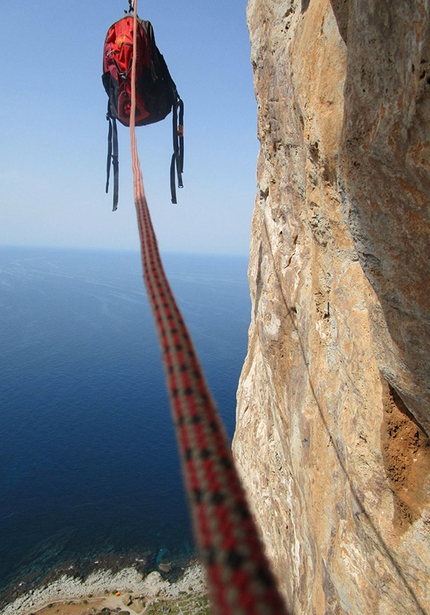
126 592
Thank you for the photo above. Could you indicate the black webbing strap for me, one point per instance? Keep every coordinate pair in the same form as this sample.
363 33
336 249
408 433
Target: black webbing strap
112 158
178 148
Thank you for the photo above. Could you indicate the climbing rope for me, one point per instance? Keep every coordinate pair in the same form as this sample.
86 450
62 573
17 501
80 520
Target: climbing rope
239 578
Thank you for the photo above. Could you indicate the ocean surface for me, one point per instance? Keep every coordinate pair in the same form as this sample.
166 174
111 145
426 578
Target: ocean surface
89 470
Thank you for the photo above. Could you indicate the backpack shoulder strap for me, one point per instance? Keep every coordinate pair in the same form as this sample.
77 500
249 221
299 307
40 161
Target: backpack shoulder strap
112 158
177 163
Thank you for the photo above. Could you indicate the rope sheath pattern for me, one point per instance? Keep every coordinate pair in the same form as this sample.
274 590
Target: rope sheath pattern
238 574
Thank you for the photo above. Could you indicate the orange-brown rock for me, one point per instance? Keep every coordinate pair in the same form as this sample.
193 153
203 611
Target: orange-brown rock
333 409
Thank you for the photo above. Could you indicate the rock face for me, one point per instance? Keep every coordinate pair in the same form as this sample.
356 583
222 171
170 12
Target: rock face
333 410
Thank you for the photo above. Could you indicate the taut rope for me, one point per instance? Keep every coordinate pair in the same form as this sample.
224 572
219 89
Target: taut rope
239 578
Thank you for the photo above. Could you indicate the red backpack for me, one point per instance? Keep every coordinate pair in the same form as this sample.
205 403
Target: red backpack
156 93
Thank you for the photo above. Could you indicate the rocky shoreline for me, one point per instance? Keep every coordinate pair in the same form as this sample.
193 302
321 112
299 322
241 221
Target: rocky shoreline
124 592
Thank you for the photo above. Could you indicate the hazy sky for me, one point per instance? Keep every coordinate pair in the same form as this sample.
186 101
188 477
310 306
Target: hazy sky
53 130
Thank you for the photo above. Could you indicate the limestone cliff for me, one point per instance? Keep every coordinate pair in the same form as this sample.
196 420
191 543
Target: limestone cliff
333 410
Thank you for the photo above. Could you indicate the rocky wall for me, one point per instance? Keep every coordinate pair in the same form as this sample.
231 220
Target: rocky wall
333 410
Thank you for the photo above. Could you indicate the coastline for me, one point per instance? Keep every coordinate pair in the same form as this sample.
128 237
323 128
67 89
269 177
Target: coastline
125 591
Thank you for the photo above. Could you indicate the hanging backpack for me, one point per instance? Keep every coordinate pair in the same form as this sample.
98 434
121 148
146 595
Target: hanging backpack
156 93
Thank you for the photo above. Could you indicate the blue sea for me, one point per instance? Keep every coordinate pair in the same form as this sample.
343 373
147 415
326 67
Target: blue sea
89 470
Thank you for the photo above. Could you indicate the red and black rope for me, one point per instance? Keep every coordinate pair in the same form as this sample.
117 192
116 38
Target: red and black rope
239 578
